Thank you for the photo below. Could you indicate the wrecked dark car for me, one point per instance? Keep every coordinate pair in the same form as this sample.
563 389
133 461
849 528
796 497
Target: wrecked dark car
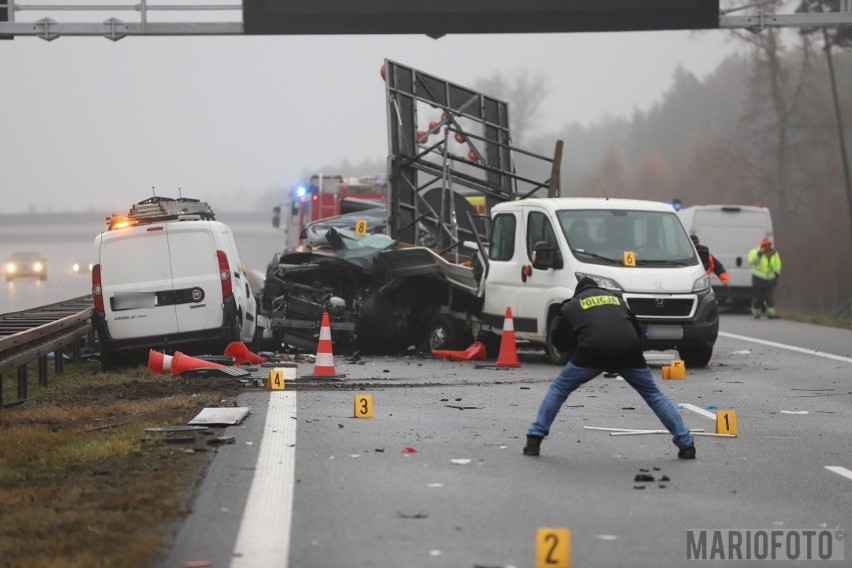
382 297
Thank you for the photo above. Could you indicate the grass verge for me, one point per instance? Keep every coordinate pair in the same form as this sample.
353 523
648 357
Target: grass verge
82 484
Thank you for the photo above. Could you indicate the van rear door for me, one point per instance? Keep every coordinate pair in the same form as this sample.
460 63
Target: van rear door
135 272
195 276
729 233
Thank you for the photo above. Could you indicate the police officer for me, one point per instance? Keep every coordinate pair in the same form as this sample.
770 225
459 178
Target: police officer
765 265
603 335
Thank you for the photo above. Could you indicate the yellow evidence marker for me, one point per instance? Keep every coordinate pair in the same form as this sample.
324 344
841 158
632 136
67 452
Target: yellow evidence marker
667 372
726 422
552 547
628 258
361 227
276 379
678 370
363 406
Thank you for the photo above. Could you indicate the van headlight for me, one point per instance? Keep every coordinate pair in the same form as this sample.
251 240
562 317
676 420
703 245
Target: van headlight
603 282
701 284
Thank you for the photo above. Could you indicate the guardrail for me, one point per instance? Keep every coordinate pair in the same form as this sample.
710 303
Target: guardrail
37 342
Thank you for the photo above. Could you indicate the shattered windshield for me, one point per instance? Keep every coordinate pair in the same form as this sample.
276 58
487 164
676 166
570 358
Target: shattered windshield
602 236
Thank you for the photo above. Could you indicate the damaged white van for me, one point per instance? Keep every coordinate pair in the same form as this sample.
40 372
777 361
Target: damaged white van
540 248
168 276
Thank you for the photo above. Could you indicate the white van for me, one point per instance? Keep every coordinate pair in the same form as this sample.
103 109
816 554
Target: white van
730 231
168 276
540 248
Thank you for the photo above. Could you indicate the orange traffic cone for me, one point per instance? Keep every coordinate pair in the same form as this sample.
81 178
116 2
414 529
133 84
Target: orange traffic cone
182 362
508 356
159 362
476 352
240 352
324 366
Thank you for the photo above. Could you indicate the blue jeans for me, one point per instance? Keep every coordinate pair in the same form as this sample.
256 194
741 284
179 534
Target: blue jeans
573 376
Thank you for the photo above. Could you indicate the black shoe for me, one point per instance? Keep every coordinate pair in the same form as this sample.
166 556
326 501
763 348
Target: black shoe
533 446
687 453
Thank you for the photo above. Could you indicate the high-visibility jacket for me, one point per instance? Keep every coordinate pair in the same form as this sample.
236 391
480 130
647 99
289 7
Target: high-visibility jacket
765 269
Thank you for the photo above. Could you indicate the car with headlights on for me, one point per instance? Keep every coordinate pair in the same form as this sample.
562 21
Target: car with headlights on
25 264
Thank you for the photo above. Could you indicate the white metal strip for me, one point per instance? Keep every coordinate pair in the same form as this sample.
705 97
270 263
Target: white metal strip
699 410
264 536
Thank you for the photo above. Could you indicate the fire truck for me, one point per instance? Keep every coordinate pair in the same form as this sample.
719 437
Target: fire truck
323 196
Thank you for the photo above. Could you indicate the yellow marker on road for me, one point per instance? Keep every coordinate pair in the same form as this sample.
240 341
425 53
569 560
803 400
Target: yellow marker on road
726 422
552 547
678 370
363 406
278 376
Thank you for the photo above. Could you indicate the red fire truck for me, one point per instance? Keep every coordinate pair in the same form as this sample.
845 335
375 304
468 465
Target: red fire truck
320 197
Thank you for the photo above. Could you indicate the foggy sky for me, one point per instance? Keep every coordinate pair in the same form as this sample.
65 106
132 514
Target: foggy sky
89 124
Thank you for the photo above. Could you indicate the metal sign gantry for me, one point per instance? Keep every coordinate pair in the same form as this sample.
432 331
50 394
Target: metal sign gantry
435 18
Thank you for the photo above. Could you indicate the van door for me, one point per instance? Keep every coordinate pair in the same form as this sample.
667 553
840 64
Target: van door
195 274
532 306
504 269
730 235
135 274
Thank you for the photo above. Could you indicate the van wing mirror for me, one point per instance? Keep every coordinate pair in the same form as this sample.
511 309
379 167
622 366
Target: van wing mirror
546 255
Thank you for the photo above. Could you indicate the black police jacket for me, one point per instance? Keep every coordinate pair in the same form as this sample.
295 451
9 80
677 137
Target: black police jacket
599 330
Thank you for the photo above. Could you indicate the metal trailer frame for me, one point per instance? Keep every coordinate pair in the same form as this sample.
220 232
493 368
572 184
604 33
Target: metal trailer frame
416 166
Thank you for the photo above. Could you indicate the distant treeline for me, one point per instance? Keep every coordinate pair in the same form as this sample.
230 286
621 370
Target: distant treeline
762 129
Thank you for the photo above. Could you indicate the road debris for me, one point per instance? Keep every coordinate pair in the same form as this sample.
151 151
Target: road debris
221 416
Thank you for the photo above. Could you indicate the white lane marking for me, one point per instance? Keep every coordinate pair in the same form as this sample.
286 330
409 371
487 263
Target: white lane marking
264 536
788 347
839 470
699 410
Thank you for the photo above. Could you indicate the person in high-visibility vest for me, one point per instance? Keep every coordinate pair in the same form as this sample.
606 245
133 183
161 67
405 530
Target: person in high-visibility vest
712 265
765 265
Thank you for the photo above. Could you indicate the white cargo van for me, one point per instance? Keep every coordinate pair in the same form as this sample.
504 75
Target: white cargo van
730 231
168 276
539 248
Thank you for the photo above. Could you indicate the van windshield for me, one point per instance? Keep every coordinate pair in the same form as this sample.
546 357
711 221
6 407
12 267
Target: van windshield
602 236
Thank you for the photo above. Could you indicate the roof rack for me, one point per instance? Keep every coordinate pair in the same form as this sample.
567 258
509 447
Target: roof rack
158 208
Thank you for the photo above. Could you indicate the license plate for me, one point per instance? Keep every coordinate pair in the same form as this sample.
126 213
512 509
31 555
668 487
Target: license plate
664 332
133 301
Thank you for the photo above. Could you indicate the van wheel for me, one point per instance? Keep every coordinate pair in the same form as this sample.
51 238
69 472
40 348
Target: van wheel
696 356
237 327
112 360
556 355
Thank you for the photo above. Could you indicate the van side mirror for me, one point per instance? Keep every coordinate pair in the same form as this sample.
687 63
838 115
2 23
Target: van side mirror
546 255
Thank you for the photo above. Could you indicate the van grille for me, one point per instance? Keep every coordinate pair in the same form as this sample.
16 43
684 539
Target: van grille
662 306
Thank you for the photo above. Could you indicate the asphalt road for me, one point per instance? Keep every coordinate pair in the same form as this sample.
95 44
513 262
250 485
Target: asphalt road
331 490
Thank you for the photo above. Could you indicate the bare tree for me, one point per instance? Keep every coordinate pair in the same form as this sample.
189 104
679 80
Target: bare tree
771 130
524 92
834 37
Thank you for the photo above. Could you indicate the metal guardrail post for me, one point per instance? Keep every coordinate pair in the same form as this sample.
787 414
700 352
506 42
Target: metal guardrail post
76 347
58 361
42 371
22 382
